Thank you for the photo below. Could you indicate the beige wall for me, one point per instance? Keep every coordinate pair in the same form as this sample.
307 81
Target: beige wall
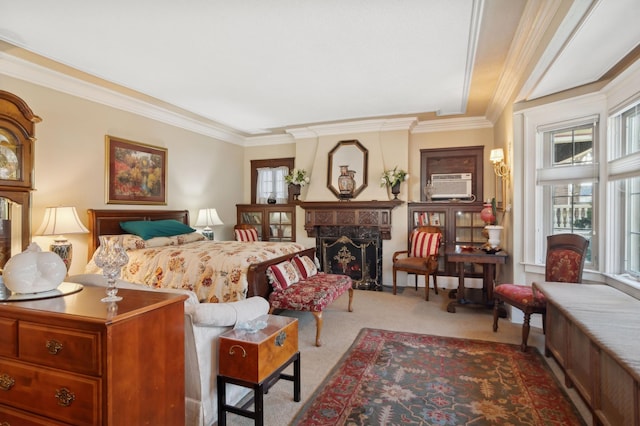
70 161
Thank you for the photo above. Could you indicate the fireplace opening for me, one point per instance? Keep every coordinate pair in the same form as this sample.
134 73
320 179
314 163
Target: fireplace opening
353 251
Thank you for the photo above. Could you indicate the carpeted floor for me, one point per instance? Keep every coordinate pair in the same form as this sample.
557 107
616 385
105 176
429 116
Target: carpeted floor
393 378
407 312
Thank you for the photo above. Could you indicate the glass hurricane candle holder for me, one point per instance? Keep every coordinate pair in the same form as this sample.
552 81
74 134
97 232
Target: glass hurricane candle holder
111 257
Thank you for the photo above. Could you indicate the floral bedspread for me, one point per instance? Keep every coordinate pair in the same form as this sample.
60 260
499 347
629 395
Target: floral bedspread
215 270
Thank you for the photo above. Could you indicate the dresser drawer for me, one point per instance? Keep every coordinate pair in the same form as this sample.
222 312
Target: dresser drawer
72 350
9 416
62 396
8 338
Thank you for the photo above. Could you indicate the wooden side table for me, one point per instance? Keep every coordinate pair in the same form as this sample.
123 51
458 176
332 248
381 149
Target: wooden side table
488 262
256 360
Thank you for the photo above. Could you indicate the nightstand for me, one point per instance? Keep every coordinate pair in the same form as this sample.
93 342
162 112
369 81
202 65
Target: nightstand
256 360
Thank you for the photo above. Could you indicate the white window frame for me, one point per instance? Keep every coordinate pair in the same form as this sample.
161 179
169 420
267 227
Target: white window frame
551 175
621 166
529 151
528 244
279 187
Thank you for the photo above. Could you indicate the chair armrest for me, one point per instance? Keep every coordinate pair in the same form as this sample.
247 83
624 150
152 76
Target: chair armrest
398 253
227 314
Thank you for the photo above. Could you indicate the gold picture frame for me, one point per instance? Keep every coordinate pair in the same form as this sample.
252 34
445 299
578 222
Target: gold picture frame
136 173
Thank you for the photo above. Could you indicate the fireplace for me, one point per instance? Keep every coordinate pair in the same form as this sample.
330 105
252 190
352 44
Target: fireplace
349 236
349 251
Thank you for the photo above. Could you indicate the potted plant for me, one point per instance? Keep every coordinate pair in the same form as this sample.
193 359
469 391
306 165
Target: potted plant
393 179
296 179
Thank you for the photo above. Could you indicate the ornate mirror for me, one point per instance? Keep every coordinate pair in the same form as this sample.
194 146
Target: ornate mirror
17 129
347 158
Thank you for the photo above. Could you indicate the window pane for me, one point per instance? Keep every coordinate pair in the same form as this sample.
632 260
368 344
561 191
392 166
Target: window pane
573 146
632 243
631 134
572 210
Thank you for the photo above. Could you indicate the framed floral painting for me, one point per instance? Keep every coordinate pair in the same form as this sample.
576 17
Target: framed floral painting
136 173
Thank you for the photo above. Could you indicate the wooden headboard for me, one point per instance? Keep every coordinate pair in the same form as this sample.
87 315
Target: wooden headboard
107 222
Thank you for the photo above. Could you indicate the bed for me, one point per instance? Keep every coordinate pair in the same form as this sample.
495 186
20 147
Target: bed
252 259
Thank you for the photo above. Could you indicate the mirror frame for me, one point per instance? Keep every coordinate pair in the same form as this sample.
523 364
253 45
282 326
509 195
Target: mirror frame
333 169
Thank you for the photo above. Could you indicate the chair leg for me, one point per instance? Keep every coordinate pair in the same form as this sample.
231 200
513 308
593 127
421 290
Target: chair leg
496 302
416 281
350 308
525 331
318 317
426 286
394 280
435 282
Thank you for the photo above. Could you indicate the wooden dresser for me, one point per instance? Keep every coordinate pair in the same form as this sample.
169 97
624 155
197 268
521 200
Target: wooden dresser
75 360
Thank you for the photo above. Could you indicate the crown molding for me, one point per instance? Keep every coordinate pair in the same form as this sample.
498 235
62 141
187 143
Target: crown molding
452 124
472 43
28 71
535 21
362 126
268 140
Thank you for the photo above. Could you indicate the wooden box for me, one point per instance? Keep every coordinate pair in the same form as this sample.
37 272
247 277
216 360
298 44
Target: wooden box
253 357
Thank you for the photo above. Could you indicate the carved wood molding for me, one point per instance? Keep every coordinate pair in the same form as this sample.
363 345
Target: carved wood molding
376 214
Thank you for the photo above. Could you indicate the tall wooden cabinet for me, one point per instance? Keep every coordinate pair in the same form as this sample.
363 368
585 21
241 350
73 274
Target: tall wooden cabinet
17 137
460 224
274 222
74 360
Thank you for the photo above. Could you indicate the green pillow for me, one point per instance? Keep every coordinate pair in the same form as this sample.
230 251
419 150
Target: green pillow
147 229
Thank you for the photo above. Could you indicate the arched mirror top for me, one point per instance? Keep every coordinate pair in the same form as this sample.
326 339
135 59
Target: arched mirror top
350 156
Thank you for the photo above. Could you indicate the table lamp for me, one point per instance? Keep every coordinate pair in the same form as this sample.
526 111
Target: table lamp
58 221
208 218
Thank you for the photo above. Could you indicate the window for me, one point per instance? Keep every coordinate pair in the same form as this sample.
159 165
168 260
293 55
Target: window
271 184
270 180
624 184
569 178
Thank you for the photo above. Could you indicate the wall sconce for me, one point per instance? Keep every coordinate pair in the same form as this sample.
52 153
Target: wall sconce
59 221
208 218
499 166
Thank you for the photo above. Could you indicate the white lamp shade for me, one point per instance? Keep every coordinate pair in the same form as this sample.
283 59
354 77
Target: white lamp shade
208 217
61 220
497 155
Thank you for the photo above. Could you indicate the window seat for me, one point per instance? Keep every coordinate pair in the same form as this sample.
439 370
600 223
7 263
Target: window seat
592 333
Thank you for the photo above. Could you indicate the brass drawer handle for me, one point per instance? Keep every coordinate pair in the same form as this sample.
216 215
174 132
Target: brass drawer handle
53 347
280 338
232 352
5 424
65 397
6 382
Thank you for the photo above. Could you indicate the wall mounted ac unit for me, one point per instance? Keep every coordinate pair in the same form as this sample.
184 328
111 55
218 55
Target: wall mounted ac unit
451 185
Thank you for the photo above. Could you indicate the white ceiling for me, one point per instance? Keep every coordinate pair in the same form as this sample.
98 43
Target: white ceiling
258 66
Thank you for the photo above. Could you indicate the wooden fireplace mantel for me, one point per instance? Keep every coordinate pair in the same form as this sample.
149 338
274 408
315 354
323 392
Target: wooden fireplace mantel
349 213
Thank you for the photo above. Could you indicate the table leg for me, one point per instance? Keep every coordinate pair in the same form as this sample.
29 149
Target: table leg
222 400
259 405
451 307
489 276
296 378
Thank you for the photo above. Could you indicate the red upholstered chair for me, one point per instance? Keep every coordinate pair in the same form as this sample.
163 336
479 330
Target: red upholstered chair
244 232
564 263
421 258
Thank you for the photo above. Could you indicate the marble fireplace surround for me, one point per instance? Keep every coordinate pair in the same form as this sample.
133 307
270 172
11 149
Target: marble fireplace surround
352 230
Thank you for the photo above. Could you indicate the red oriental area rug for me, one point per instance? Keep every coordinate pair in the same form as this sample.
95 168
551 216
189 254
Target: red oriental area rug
396 378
